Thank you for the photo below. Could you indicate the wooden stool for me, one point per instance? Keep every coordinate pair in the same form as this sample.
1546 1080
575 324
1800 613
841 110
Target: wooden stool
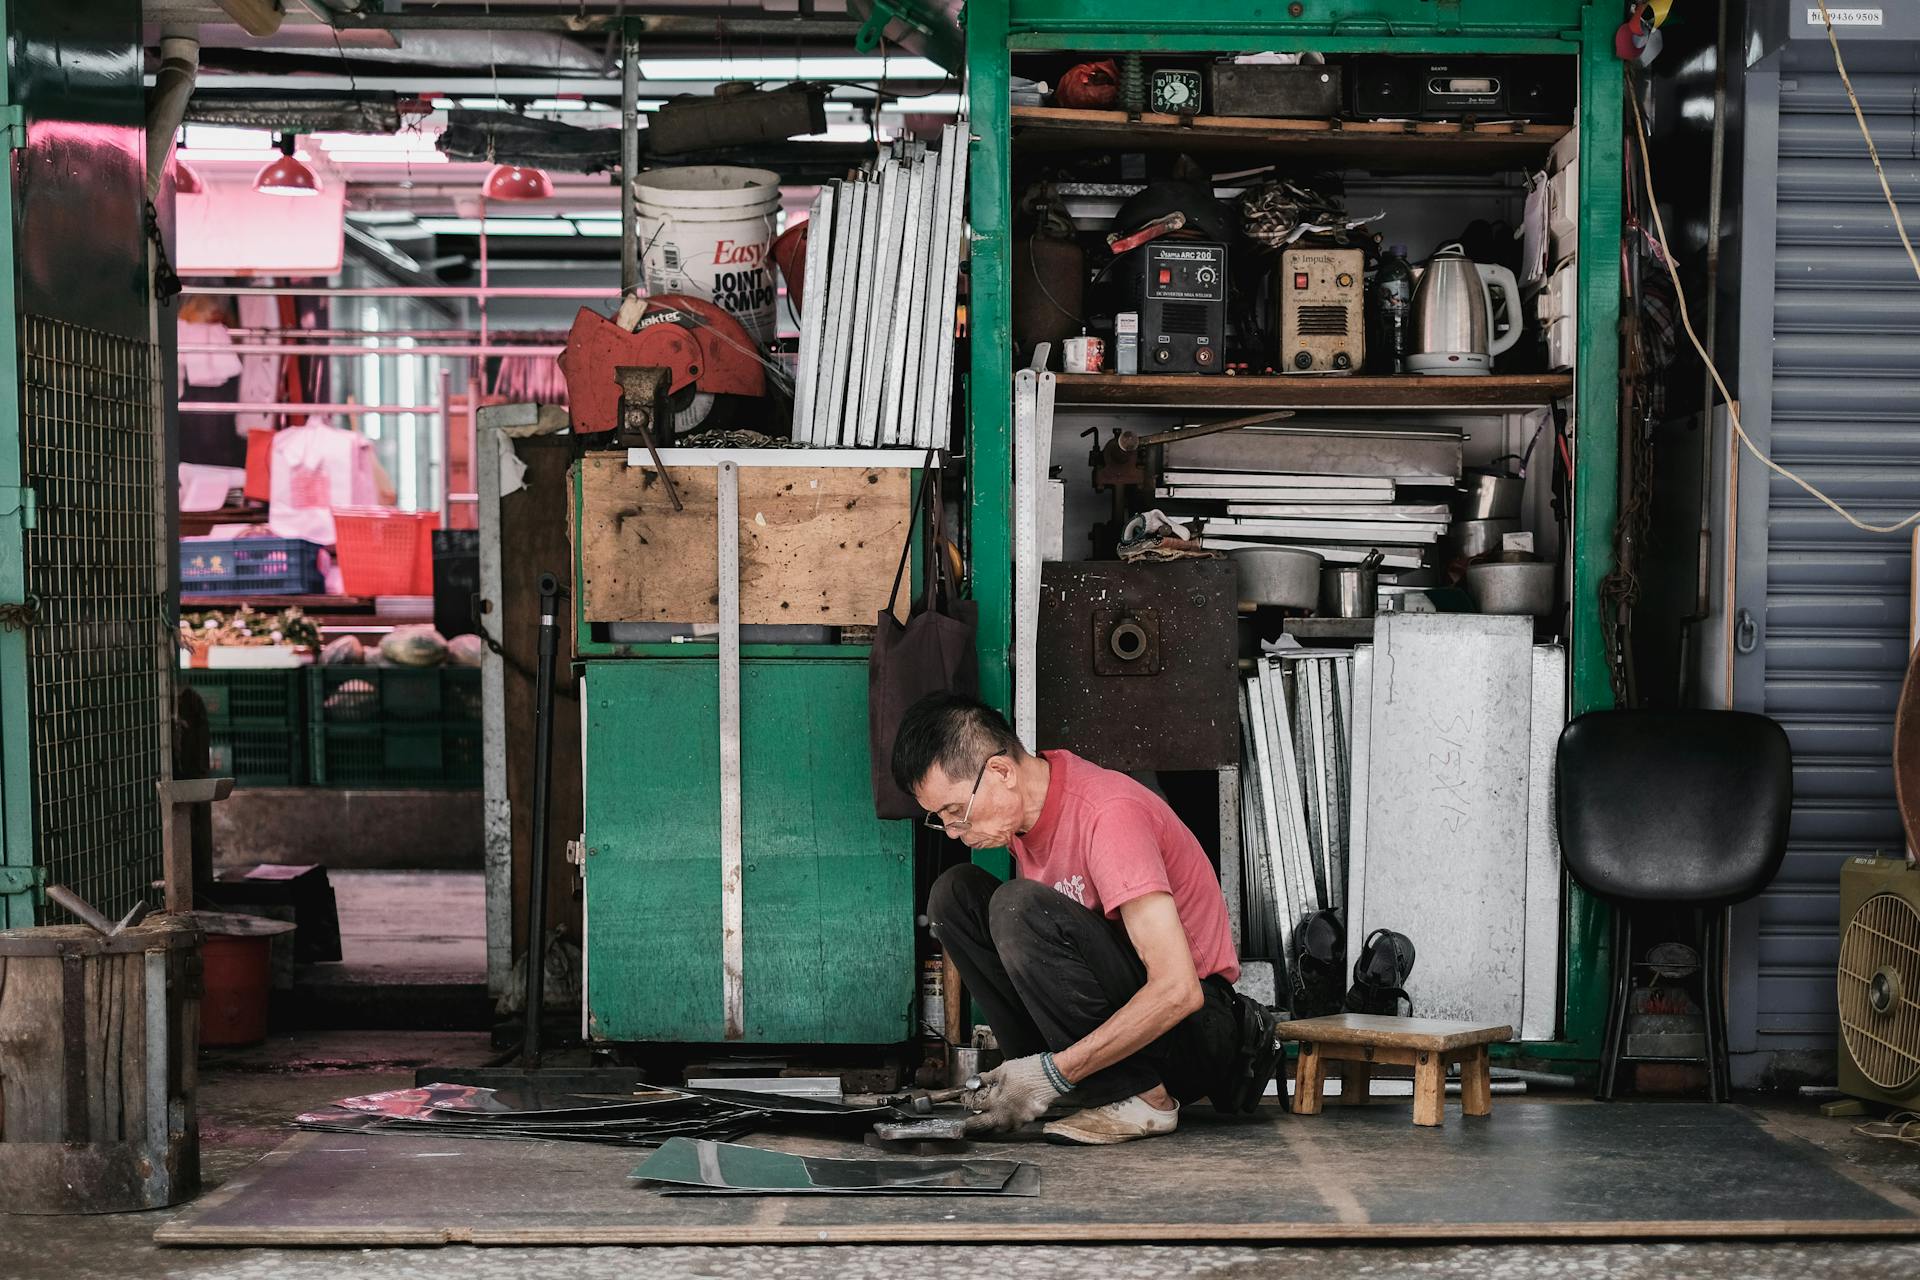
1352 1043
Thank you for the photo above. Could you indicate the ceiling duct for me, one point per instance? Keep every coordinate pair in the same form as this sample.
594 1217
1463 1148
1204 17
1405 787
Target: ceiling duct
500 137
553 52
296 112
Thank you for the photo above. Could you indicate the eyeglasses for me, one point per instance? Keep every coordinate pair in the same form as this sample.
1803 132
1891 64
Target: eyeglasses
965 820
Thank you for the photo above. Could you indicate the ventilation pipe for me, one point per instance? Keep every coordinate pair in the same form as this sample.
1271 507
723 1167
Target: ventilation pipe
172 86
258 18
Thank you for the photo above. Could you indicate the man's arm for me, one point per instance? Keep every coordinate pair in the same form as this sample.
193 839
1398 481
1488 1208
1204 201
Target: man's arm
1172 990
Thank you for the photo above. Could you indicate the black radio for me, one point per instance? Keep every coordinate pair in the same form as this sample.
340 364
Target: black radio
1383 87
1179 287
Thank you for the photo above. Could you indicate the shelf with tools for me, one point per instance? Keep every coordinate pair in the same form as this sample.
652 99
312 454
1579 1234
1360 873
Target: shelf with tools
1282 391
1390 146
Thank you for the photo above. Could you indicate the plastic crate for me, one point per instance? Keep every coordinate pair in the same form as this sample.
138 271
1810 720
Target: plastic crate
276 696
250 566
384 553
358 695
397 755
258 755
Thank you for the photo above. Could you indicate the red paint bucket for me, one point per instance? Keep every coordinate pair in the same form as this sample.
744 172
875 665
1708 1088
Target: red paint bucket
236 975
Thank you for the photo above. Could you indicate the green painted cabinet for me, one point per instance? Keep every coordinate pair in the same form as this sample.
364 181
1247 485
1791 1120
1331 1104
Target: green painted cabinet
827 899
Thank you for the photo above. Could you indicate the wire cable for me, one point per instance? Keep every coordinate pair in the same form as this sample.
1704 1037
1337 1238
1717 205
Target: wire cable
1686 320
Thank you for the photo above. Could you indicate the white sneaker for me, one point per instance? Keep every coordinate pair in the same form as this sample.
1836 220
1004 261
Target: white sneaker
1121 1121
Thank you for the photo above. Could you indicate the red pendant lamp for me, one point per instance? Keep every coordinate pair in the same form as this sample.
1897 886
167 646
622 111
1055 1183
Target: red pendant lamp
185 181
287 176
517 182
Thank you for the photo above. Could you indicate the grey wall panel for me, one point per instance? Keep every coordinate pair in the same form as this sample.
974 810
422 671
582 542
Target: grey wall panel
1841 399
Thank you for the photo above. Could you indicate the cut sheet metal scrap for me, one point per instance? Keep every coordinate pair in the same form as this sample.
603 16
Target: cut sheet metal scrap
428 1097
724 1125
755 1170
1024 1182
857 1117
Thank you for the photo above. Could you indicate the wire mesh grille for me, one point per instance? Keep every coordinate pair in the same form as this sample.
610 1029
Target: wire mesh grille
99 648
1879 1015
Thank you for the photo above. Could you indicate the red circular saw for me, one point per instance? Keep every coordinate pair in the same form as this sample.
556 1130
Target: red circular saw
708 353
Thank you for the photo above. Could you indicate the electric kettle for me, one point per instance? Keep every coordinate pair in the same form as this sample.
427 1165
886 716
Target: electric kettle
1453 314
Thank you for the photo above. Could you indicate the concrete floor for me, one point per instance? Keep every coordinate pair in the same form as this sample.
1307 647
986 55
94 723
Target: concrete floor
248 1095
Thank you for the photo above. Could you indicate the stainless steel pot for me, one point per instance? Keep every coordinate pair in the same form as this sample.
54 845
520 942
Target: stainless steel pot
1512 586
1477 537
1288 577
1349 591
1488 497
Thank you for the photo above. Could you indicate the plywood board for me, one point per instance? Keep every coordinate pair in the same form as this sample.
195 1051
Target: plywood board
1533 1171
818 545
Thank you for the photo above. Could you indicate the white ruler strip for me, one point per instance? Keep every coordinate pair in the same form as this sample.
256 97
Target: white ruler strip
732 950
1026 557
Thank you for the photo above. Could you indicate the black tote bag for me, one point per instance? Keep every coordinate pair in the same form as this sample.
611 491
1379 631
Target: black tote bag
931 652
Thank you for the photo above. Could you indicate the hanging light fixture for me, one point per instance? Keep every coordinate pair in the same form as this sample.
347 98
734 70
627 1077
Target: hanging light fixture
517 182
186 182
287 176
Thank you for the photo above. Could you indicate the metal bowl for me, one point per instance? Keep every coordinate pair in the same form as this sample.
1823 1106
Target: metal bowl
1288 577
1477 537
1512 587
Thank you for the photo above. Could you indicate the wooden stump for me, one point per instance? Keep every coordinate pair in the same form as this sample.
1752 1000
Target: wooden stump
98 1040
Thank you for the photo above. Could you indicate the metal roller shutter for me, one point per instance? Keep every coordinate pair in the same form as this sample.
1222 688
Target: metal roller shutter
1845 414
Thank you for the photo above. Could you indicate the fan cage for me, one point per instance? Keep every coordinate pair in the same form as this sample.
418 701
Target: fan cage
1884 934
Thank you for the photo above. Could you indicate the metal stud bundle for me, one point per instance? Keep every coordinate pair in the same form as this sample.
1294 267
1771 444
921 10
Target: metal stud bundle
876 329
1296 741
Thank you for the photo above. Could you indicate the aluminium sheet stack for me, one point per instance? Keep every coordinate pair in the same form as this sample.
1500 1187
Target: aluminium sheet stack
1294 721
1339 491
875 366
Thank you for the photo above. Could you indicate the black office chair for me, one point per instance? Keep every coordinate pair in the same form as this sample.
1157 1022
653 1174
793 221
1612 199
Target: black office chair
1677 809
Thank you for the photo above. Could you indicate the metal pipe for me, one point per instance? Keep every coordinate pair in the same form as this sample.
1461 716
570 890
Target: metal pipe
446 335
401 291
286 406
444 481
289 349
172 87
536 952
629 159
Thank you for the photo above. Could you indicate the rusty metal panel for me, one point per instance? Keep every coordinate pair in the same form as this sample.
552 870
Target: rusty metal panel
1137 663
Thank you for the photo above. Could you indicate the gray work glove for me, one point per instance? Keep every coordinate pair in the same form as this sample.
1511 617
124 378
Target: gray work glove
1015 1093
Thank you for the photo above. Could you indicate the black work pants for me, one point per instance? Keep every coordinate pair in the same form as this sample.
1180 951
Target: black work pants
1046 971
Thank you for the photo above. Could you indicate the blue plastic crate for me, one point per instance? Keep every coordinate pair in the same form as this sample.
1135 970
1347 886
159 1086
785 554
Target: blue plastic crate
250 566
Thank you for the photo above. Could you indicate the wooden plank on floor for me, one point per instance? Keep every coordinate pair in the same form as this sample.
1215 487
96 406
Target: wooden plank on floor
1531 1171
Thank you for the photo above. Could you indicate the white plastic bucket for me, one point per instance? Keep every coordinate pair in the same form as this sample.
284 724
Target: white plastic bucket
708 230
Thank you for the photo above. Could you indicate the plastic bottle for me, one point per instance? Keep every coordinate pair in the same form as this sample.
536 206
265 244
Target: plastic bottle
1392 312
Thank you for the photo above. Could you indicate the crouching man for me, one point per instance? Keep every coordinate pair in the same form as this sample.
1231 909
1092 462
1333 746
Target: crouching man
1106 968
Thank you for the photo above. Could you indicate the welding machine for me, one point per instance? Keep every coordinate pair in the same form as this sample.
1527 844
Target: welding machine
1322 293
1179 289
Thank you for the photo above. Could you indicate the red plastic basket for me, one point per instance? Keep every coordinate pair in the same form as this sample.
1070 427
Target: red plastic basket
385 553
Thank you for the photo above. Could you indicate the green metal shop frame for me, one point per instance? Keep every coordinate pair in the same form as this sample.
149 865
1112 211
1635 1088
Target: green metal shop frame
997 29
17 878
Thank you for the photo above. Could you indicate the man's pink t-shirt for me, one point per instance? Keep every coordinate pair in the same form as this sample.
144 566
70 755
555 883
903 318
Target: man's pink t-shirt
1103 840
